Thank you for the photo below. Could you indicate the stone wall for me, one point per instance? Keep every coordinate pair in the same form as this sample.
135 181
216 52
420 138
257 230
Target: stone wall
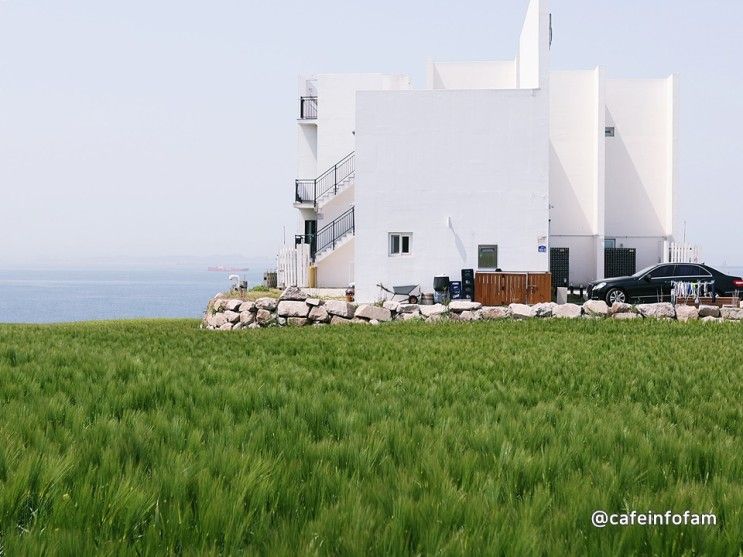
295 308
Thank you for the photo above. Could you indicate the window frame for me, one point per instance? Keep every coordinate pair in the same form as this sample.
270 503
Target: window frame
479 255
400 243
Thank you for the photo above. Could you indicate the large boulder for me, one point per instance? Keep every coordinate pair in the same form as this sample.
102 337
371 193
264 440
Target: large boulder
313 301
567 311
340 308
368 311
709 311
225 327
415 312
293 294
544 309
338 320
319 314
625 316
232 305
522 311
621 307
291 308
296 321
231 316
662 310
247 306
734 314
463 305
494 312
216 320
218 304
468 315
596 308
430 311
391 305
266 303
686 313
264 317
247 317
408 316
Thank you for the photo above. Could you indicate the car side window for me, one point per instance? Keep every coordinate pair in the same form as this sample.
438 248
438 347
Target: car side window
663 271
691 271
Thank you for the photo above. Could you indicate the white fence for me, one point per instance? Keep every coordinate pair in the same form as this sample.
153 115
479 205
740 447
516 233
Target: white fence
292 266
683 253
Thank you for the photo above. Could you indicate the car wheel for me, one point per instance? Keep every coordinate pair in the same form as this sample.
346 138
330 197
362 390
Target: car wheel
615 295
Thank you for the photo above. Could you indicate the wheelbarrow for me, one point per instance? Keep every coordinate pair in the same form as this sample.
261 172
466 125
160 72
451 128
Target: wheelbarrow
406 291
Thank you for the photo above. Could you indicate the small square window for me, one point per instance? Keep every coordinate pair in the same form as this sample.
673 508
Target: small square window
487 256
610 243
400 243
609 131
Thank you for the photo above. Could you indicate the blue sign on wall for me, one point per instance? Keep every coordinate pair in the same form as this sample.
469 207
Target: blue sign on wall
542 249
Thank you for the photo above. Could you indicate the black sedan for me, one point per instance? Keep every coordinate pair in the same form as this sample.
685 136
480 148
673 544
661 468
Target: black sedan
654 284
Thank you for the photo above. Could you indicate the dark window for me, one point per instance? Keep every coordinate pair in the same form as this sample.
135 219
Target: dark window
610 243
690 271
400 244
609 131
663 271
487 256
395 243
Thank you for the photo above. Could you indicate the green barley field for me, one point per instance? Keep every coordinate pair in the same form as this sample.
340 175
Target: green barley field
489 438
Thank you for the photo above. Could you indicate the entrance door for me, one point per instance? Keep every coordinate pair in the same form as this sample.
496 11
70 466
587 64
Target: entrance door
310 236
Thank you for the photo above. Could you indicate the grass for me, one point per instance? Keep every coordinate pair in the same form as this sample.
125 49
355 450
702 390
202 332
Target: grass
252 294
501 438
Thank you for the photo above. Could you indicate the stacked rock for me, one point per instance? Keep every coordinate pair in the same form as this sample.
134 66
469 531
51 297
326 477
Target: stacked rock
295 309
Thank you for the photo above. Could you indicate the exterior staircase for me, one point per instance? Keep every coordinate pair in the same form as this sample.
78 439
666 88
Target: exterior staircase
330 237
328 184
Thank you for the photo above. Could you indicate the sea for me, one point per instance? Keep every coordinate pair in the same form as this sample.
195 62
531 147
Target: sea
64 295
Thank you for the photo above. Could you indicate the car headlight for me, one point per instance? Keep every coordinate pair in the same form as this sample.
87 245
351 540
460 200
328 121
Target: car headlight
599 286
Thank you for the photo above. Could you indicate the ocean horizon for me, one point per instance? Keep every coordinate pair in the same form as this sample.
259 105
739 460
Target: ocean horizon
68 295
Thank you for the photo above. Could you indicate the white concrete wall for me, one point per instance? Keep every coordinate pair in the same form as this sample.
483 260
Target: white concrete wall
472 75
336 270
639 167
577 170
532 60
478 157
640 164
336 111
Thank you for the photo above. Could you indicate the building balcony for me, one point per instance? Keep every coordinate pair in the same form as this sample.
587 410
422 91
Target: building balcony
308 108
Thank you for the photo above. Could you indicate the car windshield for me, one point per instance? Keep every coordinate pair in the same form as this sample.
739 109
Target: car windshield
641 272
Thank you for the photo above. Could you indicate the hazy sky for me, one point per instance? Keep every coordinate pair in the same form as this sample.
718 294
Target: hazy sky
149 128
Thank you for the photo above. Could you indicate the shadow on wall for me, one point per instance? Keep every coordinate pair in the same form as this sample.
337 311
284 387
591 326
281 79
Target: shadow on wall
459 245
629 209
562 220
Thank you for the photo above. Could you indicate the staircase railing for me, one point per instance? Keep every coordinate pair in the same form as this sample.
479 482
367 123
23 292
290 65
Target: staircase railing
329 235
306 191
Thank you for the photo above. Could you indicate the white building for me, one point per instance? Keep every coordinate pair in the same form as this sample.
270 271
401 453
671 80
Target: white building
489 166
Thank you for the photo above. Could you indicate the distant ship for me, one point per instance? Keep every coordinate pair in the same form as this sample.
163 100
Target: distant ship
223 269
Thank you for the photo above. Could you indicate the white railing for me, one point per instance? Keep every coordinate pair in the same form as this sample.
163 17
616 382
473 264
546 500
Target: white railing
292 266
683 253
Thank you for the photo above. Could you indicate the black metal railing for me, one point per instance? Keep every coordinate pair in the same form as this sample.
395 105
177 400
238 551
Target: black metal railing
309 191
308 108
329 235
